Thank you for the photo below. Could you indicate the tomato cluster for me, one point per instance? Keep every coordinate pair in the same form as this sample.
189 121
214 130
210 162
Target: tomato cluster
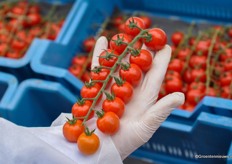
20 23
119 90
201 66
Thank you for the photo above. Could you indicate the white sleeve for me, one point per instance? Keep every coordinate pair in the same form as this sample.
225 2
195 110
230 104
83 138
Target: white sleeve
47 145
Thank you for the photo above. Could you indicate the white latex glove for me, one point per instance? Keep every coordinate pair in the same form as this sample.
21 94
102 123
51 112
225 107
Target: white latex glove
139 122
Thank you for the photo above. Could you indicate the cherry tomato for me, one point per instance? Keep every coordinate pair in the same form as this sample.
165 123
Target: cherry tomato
147 21
117 21
157 39
172 74
99 74
230 32
133 25
177 37
142 58
198 61
226 55
228 65
183 53
107 58
197 85
79 60
202 47
75 70
211 92
89 44
108 123
81 108
113 104
88 143
226 92
90 90
119 42
13 54
3 49
194 96
72 129
173 85
198 74
123 90
187 76
33 19
226 79
176 65
131 73
18 45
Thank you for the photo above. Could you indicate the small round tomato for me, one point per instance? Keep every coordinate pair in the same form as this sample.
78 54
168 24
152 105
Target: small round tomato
226 78
107 58
3 48
99 74
90 90
79 60
194 96
133 26
108 122
117 21
225 92
75 70
131 73
72 129
173 85
89 44
187 76
198 61
156 39
33 19
88 143
142 58
197 85
198 74
113 104
81 108
228 65
176 65
177 37
14 54
226 55
147 21
119 42
202 47
183 53
18 45
211 92
172 74
122 89
85 77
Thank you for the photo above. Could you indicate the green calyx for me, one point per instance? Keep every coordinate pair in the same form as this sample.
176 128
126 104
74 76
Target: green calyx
119 81
109 96
71 121
125 66
80 102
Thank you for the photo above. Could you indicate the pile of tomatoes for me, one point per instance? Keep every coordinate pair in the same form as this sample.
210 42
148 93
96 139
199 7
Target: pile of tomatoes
20 23
201 65
119 90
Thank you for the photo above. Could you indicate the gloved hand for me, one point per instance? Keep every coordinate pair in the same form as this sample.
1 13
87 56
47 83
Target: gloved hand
143 115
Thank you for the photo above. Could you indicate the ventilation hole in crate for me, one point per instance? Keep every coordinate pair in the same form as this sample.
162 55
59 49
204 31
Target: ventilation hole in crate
170 150
158 147
179 153
163 149
154 146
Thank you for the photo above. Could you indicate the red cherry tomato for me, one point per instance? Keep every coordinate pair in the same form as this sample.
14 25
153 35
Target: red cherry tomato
198 61
81 108
75 70
107 58
123 90
176 65
90 90
173 85
99 74
79 60
183 53
177 37
119 42
113 104
89 44
226 79
131 73
143 59
157 39
72 129
194 96
133 25
147 21
108 123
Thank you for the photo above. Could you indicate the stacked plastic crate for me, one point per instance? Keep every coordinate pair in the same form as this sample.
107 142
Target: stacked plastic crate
205 131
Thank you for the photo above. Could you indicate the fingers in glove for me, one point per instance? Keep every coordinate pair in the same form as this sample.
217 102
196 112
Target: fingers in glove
158 113
154 77
100 46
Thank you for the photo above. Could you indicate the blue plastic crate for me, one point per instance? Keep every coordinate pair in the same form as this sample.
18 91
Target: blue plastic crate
21 67
179 143
38 103
53 60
